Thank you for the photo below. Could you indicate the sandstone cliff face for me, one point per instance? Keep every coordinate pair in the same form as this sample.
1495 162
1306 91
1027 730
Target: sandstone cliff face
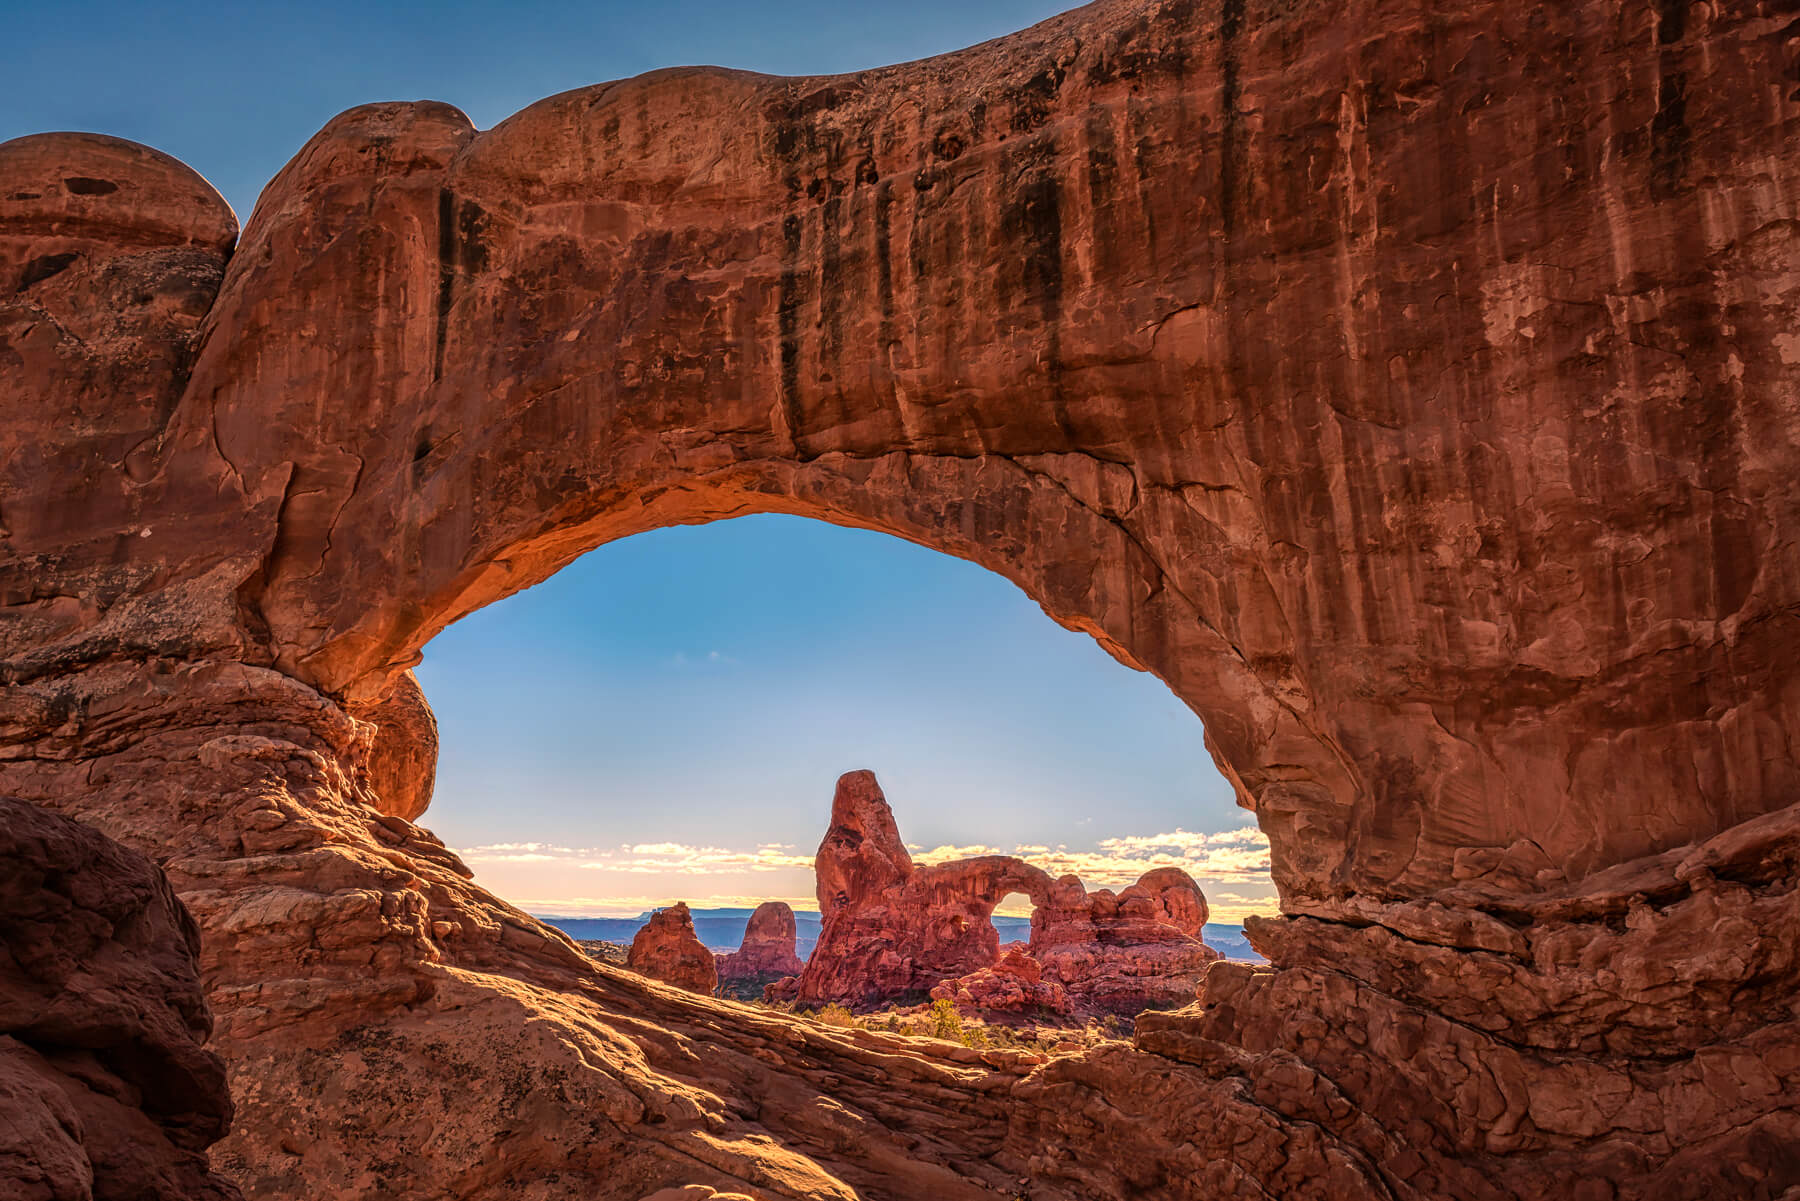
1412 389
105 1091
767 953
667 949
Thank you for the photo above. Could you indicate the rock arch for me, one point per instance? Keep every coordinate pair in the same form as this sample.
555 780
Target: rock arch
1419 407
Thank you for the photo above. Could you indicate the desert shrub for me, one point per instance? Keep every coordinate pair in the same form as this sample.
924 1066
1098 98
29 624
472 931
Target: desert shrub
946 1023
836 1015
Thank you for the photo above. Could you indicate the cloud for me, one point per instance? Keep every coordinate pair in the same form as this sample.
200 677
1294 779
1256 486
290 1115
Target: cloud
1237 857
631 906
944 854
521 852
682 661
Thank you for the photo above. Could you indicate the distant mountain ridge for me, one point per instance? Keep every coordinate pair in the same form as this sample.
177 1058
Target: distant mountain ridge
723 930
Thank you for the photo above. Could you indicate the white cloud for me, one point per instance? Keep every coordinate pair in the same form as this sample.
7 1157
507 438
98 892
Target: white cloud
1237 859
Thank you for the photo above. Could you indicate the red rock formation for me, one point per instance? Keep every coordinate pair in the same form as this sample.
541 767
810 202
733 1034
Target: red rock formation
892 931
1411 387
667 949
1013 987
403 747
105 1091
1141 949
767 952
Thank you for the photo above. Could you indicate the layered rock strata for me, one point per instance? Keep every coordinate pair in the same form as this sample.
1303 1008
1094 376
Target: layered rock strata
1411 388
106 1092
667 949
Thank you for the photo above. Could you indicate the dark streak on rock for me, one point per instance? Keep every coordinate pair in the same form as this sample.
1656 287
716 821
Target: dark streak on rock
1231 22
1669 136
446 253
788 322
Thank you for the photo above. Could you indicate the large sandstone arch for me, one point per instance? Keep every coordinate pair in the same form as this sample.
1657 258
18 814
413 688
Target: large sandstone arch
1412 390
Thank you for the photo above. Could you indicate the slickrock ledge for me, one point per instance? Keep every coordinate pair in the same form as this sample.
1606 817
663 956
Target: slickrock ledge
1412 388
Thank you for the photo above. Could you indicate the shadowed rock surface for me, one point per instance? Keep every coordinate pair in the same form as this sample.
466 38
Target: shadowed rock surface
105 1091
1412 388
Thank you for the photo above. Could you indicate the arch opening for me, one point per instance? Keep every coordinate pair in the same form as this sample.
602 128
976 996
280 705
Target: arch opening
661 722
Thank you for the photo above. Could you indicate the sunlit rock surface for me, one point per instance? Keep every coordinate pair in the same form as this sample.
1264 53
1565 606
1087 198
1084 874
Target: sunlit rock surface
894 932
1412 388
1013 987
668 950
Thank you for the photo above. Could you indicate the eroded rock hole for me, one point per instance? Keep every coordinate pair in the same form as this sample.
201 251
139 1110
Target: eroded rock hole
665 751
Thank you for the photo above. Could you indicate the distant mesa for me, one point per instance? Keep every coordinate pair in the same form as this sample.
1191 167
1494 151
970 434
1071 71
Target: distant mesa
667 949
897 933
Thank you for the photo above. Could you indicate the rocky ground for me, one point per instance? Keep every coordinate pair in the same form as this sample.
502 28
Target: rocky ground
606 952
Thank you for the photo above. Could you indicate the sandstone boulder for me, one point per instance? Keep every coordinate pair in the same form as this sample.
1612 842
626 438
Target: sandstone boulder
667 949
1141 949
403 748
106 1093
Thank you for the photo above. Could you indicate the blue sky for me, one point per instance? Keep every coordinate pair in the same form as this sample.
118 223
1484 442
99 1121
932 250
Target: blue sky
666 717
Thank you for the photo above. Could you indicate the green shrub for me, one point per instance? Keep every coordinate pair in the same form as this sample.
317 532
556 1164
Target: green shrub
836 1015
946 1023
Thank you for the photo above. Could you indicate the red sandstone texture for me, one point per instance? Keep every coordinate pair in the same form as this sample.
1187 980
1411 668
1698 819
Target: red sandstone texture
667 949
896 932
1014 986
1411 387
403 746
1141 949
767 952
105 1091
